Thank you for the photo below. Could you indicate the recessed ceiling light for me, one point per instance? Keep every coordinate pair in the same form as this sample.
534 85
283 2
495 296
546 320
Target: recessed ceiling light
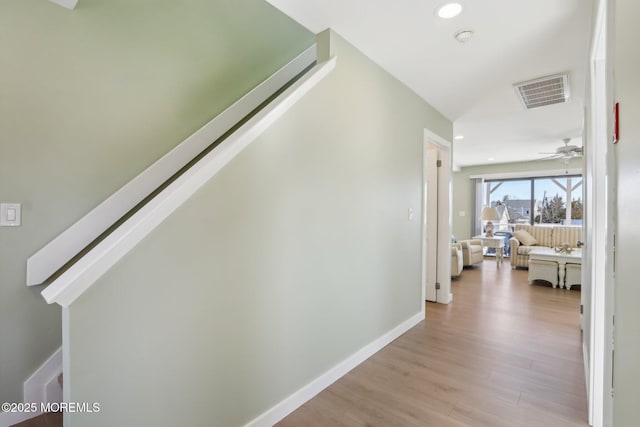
449 10
463 36
491 159
458 137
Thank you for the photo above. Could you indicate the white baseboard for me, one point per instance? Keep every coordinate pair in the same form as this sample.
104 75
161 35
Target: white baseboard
297 399
585 356
35 388
39 388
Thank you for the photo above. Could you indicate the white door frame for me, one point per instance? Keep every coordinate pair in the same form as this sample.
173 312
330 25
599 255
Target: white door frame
443 277
601 207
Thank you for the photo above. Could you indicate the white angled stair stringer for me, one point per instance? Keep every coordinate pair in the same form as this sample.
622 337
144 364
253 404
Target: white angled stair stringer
69 4
44 263
80 276
37 390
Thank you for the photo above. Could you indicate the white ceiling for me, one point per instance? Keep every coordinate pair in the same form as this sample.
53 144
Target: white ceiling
471 83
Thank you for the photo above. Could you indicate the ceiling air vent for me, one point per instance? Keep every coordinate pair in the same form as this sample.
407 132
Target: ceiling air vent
544 91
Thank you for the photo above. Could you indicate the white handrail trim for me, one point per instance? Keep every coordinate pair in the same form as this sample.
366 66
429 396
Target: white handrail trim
80 276
44 263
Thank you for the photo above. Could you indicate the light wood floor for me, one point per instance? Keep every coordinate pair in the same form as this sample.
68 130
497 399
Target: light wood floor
504 353
51 419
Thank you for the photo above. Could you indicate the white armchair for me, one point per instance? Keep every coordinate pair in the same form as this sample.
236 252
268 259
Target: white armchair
472 252
456 259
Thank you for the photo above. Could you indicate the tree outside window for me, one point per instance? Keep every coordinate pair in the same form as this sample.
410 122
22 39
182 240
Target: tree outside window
552 195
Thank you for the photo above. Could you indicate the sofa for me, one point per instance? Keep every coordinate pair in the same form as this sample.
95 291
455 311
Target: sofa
545 235
456 259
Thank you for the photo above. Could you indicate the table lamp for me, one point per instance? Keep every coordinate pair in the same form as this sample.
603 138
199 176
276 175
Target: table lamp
489 214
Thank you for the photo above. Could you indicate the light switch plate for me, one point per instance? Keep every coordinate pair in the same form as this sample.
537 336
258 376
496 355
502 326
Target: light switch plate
10 214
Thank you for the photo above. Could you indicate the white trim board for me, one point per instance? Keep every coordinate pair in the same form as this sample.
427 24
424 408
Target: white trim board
585 362
35 389
49 259
603 222
306 393
80 276
528 174
35 385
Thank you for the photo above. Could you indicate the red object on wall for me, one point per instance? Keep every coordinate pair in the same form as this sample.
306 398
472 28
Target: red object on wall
616 123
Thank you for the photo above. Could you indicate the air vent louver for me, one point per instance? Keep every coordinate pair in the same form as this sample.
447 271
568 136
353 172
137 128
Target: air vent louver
543 91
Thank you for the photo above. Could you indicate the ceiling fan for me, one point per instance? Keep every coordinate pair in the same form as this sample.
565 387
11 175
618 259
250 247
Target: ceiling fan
565 152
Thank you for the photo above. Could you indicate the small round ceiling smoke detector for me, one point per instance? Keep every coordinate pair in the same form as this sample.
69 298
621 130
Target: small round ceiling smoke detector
449 10
463 36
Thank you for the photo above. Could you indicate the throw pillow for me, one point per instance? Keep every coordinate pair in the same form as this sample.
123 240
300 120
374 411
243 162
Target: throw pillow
525 238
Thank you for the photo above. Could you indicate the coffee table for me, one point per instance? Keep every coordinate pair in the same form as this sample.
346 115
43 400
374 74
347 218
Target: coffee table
550 254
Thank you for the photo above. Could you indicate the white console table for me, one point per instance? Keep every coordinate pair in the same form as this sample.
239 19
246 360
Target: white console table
496 242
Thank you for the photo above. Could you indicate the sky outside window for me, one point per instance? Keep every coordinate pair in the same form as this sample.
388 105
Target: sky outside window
521 189
516 190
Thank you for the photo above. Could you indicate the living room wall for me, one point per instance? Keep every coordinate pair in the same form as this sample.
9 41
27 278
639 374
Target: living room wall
91 97
463 190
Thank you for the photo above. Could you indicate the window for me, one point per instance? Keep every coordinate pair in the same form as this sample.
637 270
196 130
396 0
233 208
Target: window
513 200
547 200
559 200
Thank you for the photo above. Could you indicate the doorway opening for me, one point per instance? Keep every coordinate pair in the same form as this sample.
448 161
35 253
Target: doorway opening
436 220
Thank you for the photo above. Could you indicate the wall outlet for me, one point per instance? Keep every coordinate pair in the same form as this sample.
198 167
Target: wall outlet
10 214
463 213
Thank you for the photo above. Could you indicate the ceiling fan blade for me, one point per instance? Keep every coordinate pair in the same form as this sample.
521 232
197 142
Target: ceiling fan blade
564 153
553 156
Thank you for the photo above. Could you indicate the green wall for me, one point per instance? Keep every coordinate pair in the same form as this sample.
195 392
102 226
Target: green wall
91 97
463 198
296 255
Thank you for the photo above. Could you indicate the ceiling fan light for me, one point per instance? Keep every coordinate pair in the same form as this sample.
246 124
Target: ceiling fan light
566 152
449 10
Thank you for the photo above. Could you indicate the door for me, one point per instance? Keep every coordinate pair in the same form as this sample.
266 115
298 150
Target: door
436 239
431 160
